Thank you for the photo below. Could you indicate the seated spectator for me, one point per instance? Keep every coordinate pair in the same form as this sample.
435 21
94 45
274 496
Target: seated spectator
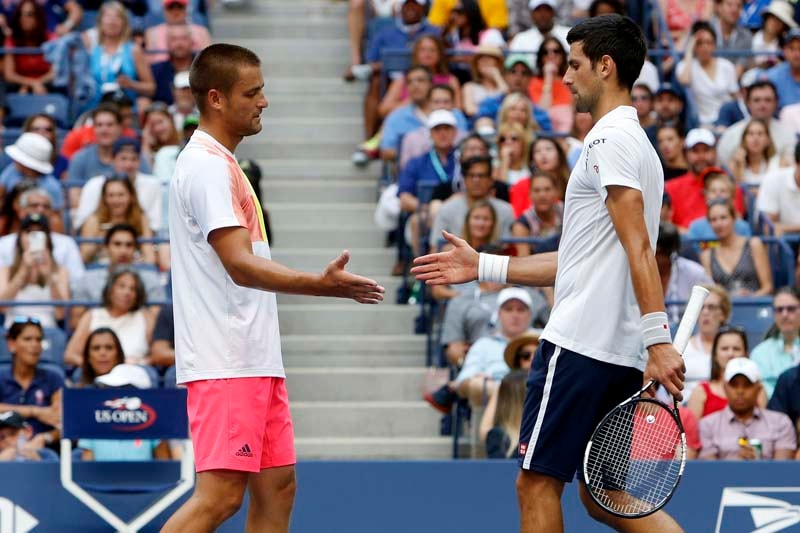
478 182
669 143
514 147
125 162
785 75
686 192
642 99
82 134
428 51
96 159
418 142
406 118
730 36
543 15
545 215
501 431
45 125
786 397
709 396
118 205
728 433
179 48
158 131
517 108
697 356
485 365
547 90
777 19
113 57
739 264
779 198
175 14
162 349
123 377
102 353
27 73
183 105
549 157
29 389
678 276
31 154
36 202
470 19
756 158
486 66
15 441
34 275
780 349
124 312
669 108
121 250
717 185
710 80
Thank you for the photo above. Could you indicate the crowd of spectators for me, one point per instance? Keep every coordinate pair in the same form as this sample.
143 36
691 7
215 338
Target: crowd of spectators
720 101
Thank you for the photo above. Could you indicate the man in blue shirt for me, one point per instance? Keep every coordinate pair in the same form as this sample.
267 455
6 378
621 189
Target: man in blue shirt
408 117
786 75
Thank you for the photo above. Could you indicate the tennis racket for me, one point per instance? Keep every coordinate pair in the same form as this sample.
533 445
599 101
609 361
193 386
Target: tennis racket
635 458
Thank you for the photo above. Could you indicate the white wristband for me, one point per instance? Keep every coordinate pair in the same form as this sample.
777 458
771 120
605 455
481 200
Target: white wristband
493 267
655 329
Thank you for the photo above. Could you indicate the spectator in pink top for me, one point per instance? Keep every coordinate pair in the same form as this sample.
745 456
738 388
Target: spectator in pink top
175 12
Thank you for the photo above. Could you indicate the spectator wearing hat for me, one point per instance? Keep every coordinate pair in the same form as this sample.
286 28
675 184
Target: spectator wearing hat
777 19
15 437
761 102
125 162
175 14
183 103
717 185
123 376
31 155
34 275
486 66
543 15
518 76
688 201
669 108
779 198
418 142
46 126
728 434
730 35
36 201
179 48
786 75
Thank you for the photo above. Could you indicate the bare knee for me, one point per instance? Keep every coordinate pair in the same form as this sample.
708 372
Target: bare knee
532 485
286 489
221 506
595 511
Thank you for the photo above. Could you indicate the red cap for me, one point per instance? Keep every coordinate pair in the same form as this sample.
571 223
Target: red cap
181 2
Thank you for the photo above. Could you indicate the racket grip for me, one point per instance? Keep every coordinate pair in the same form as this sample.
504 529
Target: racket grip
689 319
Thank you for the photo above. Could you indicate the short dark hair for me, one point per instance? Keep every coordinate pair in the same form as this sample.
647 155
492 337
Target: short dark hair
107 107
760 84
702 25
475 137
421 68
616 36
117 228
616 5
477 160
117 273
442 87
216 67
669 239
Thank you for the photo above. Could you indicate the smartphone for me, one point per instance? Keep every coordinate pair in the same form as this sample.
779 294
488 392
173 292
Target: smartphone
37 241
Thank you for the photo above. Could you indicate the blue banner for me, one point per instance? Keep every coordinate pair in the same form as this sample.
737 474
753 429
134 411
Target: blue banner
125 414
404 497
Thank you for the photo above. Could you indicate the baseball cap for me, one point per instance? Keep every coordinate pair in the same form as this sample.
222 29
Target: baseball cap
125 375
34 219
441 117
514 293
513 59
744 366
699 136
181 80
794 33
170 2
191 120
11 419
535 4
668 88
124 142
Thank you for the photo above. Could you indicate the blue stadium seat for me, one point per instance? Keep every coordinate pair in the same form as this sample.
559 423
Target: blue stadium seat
754 315
21 106
53 346
10 135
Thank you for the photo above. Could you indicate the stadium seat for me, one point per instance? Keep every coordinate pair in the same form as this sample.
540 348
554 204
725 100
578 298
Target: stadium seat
21 106
754 315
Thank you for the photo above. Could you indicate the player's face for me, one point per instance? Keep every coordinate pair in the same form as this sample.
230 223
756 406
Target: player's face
742 394
515 318
243 106
582 80
102 353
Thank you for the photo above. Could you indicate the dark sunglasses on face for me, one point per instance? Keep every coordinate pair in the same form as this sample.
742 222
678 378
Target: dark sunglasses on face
504 138
791 309
525 356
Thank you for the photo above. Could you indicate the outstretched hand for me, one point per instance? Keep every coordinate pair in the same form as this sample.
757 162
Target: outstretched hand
337 282
457 265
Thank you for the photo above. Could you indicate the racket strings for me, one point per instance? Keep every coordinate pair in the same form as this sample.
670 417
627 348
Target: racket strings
635 459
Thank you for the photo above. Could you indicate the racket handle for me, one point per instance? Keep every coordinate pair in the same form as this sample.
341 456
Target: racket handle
689 319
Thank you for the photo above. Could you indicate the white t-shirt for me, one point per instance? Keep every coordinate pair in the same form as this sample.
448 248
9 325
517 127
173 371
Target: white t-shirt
596 313
530 40
222 330
698 366
709 94
65 253
780 195
148 192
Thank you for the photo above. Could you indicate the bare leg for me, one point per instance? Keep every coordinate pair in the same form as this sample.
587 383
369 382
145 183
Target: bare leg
659 521
271 500
539 498
217 496
355 27
371 102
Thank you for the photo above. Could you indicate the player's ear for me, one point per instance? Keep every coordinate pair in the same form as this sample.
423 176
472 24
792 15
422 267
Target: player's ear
214 98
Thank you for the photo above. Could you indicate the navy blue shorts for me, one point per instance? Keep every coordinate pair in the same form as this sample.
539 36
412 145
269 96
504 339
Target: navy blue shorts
568 394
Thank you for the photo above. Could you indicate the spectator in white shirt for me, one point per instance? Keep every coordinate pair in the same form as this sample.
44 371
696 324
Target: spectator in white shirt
543 14
779 198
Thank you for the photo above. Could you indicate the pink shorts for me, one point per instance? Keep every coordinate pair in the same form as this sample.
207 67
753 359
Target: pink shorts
240 424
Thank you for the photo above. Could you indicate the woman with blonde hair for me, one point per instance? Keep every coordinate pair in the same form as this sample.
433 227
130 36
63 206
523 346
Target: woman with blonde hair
517 107
716 311
756 156
503 437
514 148
486 66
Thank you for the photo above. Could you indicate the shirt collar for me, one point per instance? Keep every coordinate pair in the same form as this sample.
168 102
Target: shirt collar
200 134
731 417
619 112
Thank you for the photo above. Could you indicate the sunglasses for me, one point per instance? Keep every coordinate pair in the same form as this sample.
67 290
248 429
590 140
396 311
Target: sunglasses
27 320
780 309
731 329
711 307
525 356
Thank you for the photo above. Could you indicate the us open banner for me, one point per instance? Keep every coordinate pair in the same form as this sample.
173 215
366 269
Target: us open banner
405 497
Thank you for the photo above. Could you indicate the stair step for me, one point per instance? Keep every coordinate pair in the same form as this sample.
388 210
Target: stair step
317 87
313 26
329 169
377 359
288 107
365 419
339 236
376 345
361 191
283 67
320 129
301 148
365 261
296 51
374 448
283 215
297 10
348 318
326 384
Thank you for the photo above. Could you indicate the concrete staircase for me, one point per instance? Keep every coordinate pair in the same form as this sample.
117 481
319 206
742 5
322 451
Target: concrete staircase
355 372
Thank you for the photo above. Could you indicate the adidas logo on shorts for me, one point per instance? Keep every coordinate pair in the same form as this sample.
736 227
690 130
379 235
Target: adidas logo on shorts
245 451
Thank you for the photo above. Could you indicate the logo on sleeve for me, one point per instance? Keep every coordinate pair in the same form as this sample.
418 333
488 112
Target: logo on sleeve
596 169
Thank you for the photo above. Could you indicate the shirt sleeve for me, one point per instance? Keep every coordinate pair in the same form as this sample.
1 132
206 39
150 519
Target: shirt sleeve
72 258
210 197
785 435
691 429
390 139
164 328
768 200
780 396
609 160
453 330
439 12
373 52
709 450
473 362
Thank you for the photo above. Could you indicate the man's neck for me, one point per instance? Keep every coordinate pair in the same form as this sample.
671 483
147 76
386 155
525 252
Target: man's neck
472 199
220 134
104 153
443 153
611 99
727 29
745 416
